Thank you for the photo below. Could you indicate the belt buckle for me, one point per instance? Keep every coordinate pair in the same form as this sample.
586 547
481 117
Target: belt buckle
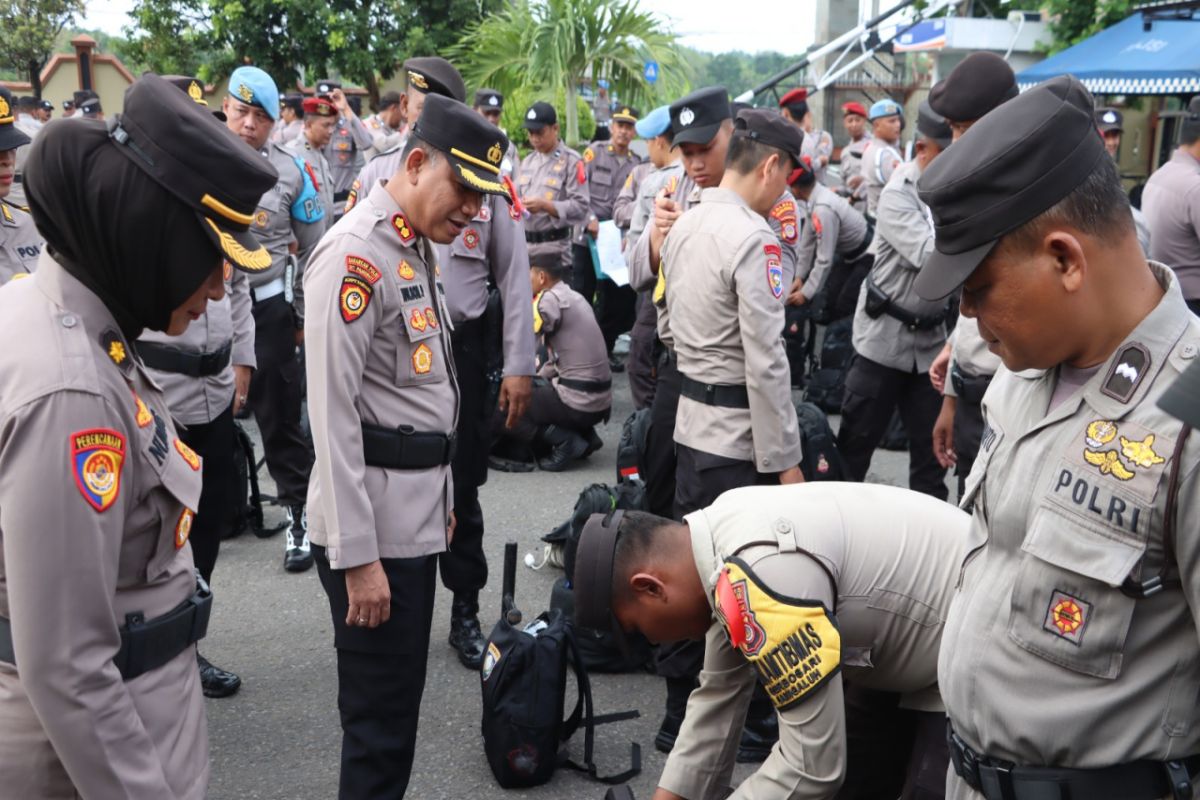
967 763
710 394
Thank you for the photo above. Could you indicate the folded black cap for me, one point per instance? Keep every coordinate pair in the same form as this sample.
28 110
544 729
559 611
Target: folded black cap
46 105
434 75
184 149
474 146
980 82
1109 119
68 105
91 105
931 125
11 137
539 115
769 127
1182 398
696 118
593 583
1011 166
489 99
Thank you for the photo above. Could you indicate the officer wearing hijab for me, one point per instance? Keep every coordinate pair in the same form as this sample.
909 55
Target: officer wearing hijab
1070 644
20 243
100 607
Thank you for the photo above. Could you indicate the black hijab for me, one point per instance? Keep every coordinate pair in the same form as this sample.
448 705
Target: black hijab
139 248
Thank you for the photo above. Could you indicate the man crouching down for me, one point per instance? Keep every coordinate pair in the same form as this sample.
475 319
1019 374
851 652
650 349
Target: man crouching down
833 595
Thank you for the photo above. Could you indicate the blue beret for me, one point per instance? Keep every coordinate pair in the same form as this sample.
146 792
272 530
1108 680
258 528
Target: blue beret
656 123
254 87
885 108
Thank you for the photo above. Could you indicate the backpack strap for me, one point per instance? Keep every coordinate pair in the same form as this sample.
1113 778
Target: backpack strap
589 722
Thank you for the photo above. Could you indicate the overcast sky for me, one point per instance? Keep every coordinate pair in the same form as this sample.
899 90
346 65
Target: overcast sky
713 25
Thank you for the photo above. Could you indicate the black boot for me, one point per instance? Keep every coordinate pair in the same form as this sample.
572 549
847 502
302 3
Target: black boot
216 682
760 733
565 446
297 553
465 635
594 442
678 691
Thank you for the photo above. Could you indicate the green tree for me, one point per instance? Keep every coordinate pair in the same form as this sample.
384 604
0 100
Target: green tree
552 44
30 29
516 104
1072 21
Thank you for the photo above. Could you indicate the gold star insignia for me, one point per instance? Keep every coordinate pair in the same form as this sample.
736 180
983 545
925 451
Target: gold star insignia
116 351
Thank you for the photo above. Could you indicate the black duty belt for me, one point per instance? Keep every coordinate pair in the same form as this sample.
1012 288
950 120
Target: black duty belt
166 358
969 388
714 394
341 197
406 448
1135 780
541 237
147 645
879 303
857 252
591 387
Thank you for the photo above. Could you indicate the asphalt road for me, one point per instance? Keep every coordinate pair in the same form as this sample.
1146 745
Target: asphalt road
279 737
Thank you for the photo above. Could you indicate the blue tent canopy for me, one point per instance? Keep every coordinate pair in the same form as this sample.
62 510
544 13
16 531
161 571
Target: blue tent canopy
1126 59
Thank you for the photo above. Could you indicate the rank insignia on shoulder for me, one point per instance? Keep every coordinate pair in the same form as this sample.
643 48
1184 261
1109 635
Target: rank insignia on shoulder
774 269
354 296
97 456
183 528
115 348
1128 369
794 645
188 454
400 223
405 270
357 265
1067 617
143 417
422 360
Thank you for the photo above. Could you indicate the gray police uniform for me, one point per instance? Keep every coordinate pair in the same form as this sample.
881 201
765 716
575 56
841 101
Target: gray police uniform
857 580
626 202
104 535
560 177
287 132
383 138
20 242
896 337
1052 653
321 176
345 156
879 161
490 250
607 173
837 234
852 167
818 144
278 295
736 422
380 168
972 366
1171 202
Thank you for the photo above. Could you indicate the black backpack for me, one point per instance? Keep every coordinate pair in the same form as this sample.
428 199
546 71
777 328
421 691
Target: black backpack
827 383
820 460
524 682
598 498
598 649
632 447
248 515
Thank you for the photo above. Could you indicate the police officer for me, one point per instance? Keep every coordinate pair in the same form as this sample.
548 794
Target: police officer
91 108
385 126
666 172
831 247
20 242
736 424
818 144
425 76
490 104
485 272
1110 122
964 368
350 138
383 404
1171 204
553 188
787 585
854 119
68 107
205 375
881 156
291 211
1080 586
896 333
100 607
320 122
290 125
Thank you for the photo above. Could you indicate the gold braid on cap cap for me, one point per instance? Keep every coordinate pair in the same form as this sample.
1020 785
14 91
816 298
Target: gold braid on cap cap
417 80
479 183
256 260
492 168
208 201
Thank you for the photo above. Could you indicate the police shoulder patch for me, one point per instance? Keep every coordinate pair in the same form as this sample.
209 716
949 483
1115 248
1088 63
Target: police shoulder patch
794 645
354 296
357 265
774 257
97 456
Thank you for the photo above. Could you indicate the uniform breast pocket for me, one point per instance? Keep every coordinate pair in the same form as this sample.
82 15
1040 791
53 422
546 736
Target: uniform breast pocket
270 204
1066 605
601 177
421 360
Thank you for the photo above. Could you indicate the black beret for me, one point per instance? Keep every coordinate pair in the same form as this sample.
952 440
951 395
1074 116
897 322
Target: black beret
434 75
931 125
978 84
1011 166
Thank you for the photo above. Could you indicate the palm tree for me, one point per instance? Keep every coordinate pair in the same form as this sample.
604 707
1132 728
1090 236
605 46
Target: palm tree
547 44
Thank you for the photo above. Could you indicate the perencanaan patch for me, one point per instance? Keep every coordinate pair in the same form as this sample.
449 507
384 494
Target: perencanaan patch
794 645
364 269
1067 617
354 296
97 456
